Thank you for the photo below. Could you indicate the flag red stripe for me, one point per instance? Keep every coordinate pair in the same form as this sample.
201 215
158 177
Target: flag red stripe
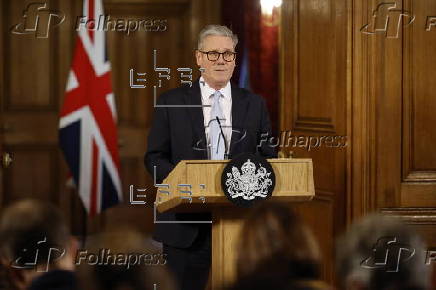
91 16
94 186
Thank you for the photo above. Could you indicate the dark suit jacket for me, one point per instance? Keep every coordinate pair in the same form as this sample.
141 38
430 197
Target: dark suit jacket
55 280
178 133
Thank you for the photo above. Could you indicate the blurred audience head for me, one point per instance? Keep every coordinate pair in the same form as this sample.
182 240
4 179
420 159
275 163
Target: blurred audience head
273 237
122 260
34 240
381 253
281 274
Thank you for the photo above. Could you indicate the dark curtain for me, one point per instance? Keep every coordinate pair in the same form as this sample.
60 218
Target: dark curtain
258 36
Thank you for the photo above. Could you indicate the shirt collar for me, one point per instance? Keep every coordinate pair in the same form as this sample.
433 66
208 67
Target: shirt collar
207 91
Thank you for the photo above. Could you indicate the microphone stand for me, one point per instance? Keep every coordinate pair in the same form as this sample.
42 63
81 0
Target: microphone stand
226 155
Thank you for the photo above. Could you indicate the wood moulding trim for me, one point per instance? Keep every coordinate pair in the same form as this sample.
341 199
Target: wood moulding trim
316 124
349 107
361 173
289 63
426 216
323 195
420 176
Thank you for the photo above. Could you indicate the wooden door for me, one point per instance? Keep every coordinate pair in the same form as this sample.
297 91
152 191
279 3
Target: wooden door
30 95
393 161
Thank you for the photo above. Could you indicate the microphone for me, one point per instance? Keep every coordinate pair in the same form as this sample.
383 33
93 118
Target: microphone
226 155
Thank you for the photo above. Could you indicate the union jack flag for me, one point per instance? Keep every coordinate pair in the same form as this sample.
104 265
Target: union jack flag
88 134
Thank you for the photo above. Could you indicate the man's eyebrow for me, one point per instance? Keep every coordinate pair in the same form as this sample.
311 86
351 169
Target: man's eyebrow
216 50
220 52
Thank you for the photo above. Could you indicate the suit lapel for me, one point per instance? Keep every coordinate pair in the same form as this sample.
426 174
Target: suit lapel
240 104
193 99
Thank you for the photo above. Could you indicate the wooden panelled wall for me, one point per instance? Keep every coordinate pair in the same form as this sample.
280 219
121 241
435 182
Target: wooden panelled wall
314 99
33 79
340 76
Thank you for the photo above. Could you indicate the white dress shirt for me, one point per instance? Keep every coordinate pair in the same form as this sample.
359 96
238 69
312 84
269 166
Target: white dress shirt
226 107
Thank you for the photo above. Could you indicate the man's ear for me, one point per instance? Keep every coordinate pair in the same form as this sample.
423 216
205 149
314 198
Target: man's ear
74 246
198 56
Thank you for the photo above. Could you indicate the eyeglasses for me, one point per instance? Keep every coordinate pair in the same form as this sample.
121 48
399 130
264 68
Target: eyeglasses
215 55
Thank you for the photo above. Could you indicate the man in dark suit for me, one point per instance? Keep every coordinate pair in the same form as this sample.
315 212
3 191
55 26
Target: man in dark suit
185 127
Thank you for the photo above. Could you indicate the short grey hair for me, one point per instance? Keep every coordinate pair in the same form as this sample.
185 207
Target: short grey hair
356 246
218 30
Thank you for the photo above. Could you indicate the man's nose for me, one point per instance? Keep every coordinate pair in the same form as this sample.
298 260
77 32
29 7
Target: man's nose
220 60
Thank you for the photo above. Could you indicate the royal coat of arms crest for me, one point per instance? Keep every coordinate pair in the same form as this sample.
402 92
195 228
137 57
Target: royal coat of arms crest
247 179
250 183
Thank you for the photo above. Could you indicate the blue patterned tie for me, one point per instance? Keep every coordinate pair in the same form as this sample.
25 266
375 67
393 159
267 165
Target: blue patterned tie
217 147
